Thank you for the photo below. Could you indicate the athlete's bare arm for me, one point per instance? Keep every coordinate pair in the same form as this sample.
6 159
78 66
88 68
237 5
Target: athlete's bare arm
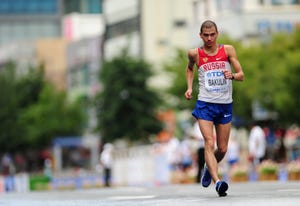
233 59
192 59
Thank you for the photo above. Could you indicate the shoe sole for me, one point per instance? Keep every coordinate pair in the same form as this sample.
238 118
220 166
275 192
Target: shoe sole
223 194
222 189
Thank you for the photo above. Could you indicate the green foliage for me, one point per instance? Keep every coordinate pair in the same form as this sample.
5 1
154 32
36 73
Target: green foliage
244 92
32 112
281 68
268 167
8 108
51 116
126 106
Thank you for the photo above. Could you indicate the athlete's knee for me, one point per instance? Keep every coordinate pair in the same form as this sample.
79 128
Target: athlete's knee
209 145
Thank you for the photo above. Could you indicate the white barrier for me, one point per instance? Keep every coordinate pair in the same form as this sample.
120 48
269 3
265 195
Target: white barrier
21 182
14 183
140 166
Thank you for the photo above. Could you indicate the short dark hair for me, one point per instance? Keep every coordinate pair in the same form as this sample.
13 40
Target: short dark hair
208 24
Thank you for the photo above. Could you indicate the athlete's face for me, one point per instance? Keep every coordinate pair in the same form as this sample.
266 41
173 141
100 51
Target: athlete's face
209 36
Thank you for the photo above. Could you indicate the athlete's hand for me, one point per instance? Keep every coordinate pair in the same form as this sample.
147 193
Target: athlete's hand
188 94
227 74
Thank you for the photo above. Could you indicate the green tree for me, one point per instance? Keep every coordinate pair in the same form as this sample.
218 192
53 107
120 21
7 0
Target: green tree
52 115
127 106
279 90
245 92
8 108
32 112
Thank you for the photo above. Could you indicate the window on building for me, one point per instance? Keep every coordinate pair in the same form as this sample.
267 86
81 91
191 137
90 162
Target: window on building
95 6
85 78
179 23
19 31
83 6
28 6
121 28
75 77
71 6
284 2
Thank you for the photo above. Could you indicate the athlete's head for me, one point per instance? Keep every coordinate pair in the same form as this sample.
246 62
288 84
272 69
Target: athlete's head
208 24
209 33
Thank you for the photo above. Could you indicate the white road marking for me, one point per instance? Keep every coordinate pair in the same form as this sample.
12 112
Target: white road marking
132 197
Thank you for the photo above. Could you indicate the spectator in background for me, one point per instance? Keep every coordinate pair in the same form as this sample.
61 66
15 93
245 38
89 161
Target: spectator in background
173 153
298 143
20 162
280 150
291 141
167 157
106 160
270 141
233 151
48 168
7 165
257 144
186 155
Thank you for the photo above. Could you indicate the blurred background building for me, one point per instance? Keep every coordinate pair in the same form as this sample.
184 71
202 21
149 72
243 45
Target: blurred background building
66 36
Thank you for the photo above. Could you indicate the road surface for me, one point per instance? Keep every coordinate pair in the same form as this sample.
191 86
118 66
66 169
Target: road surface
239 194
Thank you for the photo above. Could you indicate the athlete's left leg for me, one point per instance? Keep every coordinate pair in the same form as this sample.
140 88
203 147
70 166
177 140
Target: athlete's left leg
222 133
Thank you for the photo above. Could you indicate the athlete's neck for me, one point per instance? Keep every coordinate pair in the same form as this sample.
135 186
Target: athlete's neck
211 50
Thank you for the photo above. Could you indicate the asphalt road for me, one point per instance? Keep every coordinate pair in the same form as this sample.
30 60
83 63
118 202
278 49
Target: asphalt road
250 193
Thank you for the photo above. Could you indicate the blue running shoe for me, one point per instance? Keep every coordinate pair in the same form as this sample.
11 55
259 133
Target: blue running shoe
221 188
206 177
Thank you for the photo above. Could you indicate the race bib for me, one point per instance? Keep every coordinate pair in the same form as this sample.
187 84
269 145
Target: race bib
215 81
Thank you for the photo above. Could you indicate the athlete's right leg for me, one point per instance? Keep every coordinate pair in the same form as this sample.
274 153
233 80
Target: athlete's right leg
207 131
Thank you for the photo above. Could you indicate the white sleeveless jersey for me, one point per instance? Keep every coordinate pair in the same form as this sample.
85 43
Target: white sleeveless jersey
213 87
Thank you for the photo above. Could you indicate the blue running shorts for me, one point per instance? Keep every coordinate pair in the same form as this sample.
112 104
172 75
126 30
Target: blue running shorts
217 113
